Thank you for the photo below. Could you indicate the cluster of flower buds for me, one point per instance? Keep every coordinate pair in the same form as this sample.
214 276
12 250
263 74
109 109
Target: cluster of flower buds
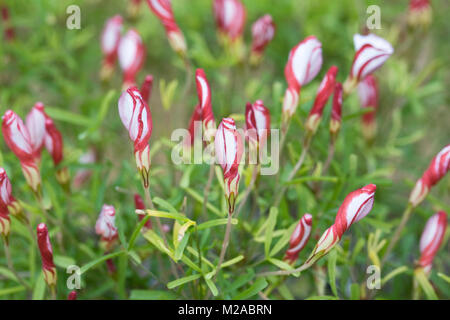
8 30
371 53
45 248
230 18
131 53
420 13
139 205
299 238
368 97
110 43
304 63
136 117
204 98
263 31
8 204
437 169
163 10
325 90
431 239
356 206
229 149
336 111
106 227
257 124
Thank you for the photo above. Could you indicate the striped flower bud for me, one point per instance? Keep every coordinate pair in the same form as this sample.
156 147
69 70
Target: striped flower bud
18 139
371 53
7 201
146 88
356 206
437 169
420 13
35 123
230 18
229 148
263 31
139 205
304 63
299 238
72 295
163 10
204 98
431 239
106 227
368 97
325 90
110 43
45 248
131 56
336 111
257 123
54 145
137 119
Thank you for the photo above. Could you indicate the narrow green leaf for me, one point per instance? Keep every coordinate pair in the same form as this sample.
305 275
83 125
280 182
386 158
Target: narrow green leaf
194 194
211 287
136 232
332 257
183 280
170 215
269 230
99 260
67 116
6 291
39 288
181 246
63 261
214 223
443 276
354 291
232 261
253 290
166 205
283 241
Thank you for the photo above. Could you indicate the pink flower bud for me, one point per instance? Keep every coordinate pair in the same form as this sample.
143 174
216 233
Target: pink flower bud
106 227
7 25
139 204
336 111
146 88
368 97
110 40
163 10
72 295
131 56
304 63
35 123
7 201
263 31
137 119
420 13
229 148
45 248
257 122
204 97
299 238
325 90
437 169
230 17
431 239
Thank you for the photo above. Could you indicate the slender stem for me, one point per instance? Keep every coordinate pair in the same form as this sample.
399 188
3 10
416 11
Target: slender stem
331 150
226 240
248 190
207 189
284 272
11 265
53 292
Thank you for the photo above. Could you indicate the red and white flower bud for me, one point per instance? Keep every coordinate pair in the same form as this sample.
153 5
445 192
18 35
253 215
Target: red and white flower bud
110 43
106 227
304 63
46 251
230 18
336 111
146 88
325 90
131 56
163 10
204 98
356 206
431 239
371 53
229 148
137 119
368 97
420 13
139 205
35 123
299 238
7 200
263 31
5 222
257 123
437 169
18 139
54 145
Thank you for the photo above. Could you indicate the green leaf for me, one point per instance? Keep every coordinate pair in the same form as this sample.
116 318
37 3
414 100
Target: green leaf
253 290
283 241
393 273
167 92
269 230
332 257
67 116
214 223
171 215
232 261
63 261
354 291
152 295
166 205
183 280
99 260
39 288
136 232
211 286
194 194
181 246
241 280
443 276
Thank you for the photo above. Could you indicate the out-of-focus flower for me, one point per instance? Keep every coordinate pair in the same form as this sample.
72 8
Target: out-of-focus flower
304 63
137 119
134 8
163 10
371 53
7 25
146 88
83 174
257 122
420 13
336 111
5 222
356 206
263 31
35 123
368 97
18 139
437 169
230 18
54 145
45 248
106 227
299 238
204 98
7 200
72 295
325 90
131 56
110 43
139 204
431 239
229 148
